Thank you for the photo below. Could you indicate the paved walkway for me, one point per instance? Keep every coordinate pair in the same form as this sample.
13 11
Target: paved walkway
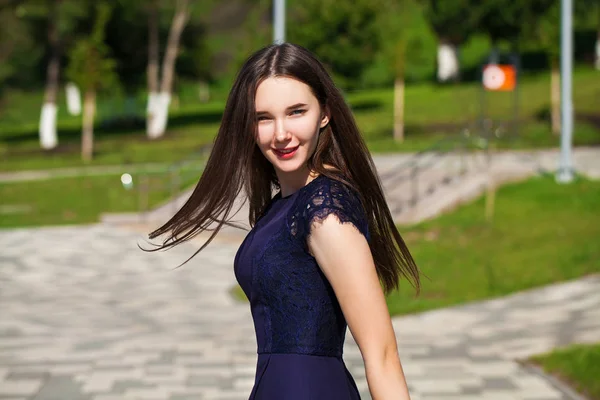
440 185
88 316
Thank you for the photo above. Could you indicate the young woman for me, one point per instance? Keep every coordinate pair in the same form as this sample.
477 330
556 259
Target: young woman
323 250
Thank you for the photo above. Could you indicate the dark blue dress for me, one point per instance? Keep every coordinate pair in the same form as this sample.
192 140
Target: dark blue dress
300 328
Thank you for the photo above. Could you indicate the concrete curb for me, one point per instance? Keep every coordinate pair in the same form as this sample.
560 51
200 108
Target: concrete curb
553 381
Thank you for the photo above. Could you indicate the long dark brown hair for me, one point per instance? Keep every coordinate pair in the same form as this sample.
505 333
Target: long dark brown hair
236 163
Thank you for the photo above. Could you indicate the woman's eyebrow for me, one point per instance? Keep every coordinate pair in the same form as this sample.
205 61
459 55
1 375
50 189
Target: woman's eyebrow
297 105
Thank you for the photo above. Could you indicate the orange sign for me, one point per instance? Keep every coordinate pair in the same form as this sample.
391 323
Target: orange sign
499 77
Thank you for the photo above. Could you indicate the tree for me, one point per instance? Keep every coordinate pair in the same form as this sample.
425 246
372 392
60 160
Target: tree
16 40
159 111
587 13
453 21
152 70
48 12
548 34
537 24
502 20
545 35
344 34
597 50
47 128
92 69
56 18
401 47
533 22
257 20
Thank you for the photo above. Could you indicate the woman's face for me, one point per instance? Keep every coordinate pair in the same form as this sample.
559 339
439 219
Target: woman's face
289 120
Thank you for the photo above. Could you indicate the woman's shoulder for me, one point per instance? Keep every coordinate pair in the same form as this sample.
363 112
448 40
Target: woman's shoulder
327 196
330 191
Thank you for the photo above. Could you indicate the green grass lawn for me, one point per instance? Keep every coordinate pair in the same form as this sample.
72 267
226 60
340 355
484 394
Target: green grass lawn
81 199
578 366
542 233
189 129
432 113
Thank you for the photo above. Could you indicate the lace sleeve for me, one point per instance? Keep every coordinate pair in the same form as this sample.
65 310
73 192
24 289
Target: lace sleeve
332 197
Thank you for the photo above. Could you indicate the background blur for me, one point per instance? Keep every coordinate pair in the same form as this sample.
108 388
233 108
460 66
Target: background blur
107 113
110 83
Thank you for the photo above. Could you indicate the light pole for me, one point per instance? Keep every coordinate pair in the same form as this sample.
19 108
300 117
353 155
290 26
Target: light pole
278 21
565 169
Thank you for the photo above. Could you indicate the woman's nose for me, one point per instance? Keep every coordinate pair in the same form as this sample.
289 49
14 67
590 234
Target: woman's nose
281 133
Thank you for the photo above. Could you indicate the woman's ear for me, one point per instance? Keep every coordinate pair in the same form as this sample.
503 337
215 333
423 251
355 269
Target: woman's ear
325 117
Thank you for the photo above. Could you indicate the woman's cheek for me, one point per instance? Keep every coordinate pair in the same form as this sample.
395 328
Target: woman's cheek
264 136
303 128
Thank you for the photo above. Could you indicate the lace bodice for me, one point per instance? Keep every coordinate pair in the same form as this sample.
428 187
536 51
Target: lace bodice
293 305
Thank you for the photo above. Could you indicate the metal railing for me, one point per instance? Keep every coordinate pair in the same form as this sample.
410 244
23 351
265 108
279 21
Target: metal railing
473 150
411 172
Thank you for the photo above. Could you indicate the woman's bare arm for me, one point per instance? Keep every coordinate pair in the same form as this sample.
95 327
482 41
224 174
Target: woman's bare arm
346 260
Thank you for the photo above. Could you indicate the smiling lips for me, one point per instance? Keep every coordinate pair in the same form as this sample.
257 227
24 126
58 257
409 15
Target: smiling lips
286 153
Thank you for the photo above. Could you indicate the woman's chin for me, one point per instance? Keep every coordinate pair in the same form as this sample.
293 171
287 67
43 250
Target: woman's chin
288 167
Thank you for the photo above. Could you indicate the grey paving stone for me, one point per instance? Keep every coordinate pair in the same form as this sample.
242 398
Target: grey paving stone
86 315
27 375
499 384
471 390
121 386
60 388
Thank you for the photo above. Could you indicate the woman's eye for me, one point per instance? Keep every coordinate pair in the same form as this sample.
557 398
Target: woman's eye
298 112
259 119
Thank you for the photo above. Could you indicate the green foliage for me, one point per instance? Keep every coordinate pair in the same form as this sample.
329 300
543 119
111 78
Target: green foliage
68 13
90 65
343 34
453 20
507 19
18 49
242 45
195 54
577 365
26 35
348 35
541 23
546 33
587 14
403 40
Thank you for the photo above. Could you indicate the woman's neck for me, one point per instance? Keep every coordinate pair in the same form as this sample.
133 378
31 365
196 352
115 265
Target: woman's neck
292 182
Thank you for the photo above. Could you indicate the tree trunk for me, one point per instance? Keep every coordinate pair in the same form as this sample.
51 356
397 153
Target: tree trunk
159 120
153 60
597 61
399 109
73 98
87 137
555 98
448 65
47 127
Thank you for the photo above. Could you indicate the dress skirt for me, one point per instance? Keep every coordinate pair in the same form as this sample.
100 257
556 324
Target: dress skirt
302 377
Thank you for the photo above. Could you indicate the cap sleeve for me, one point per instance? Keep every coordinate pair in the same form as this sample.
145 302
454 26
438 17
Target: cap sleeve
326 198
